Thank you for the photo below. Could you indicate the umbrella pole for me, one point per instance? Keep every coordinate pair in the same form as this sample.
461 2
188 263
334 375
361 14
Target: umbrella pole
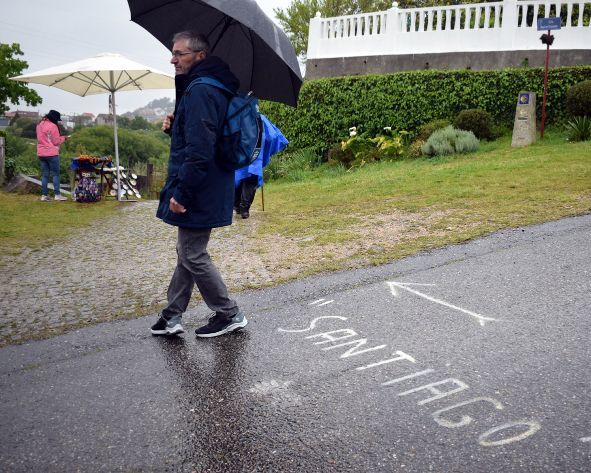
263 196
116 143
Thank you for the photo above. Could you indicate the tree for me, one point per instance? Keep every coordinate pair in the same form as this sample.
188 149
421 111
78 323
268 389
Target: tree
12 91
139 123
30 131
295 19
18 123
134 146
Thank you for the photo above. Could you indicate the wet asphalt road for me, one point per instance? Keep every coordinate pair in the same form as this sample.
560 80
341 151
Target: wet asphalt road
472 358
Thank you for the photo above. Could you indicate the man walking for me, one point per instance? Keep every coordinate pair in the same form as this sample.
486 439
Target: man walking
198 194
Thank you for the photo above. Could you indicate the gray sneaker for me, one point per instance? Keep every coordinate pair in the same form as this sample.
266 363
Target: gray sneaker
219 325
167 327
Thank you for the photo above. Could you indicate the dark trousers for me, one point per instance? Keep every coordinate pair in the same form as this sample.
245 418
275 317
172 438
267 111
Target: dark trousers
244 193
194 266
50 164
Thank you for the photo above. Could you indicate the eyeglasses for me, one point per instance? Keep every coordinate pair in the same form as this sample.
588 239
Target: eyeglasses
178 54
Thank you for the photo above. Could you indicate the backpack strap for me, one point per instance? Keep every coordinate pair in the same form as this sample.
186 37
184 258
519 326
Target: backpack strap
209 81
216 83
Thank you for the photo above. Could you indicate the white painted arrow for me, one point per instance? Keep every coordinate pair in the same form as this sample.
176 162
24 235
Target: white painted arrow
400 285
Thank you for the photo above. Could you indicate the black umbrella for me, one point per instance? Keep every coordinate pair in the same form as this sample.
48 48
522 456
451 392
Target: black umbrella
239 32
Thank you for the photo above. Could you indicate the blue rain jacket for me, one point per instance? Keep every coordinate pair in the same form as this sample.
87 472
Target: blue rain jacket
273 141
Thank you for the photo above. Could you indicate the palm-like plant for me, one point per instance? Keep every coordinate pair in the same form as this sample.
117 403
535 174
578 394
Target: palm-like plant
579 128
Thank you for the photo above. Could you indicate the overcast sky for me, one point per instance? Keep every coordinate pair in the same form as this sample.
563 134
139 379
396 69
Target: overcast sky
56 32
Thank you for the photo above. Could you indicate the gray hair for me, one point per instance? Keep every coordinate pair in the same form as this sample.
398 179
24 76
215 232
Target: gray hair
195 41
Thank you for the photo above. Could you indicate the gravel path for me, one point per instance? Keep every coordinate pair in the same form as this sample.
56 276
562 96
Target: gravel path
118 270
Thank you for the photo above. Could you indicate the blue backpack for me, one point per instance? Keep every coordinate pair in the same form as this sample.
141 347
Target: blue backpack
243 128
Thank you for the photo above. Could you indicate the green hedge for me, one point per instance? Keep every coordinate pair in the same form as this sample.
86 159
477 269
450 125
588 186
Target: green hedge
407 100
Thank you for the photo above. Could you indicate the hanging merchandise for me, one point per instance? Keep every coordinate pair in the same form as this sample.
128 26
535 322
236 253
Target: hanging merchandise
87 189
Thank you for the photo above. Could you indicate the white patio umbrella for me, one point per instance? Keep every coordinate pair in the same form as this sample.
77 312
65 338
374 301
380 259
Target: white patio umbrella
105 72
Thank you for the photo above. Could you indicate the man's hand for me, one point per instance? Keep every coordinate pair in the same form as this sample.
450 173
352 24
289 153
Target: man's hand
175 207
167 123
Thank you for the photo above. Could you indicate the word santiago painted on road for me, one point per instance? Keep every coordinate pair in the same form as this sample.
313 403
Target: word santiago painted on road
331 338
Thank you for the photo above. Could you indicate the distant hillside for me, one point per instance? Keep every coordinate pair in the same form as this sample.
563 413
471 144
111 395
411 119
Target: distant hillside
155 111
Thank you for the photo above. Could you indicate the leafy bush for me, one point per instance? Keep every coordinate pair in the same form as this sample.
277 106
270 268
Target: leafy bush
578 100
337 155
291 165
579 129
414 150
20 155
9 168
359 149
427 129
449 140
407 100
477 121
389 147
14 145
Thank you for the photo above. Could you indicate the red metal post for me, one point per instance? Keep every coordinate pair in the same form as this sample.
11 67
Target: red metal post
545 89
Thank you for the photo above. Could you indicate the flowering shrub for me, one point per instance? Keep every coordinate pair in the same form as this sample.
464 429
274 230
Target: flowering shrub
359 149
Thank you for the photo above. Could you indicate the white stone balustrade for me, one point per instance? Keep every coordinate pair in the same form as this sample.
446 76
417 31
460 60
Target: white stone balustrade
507 25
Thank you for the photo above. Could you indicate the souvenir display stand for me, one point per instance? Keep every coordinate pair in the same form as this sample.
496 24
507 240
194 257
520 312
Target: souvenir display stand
88 169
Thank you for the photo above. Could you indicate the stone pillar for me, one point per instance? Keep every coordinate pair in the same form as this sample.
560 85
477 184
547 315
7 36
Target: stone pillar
524 128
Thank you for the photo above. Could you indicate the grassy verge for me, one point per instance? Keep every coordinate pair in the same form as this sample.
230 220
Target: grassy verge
389 210
29 223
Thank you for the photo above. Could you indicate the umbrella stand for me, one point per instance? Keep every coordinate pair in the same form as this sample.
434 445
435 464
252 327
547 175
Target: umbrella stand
115 138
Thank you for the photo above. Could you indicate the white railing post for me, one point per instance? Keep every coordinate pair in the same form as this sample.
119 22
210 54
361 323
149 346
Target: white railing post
509 24
314 35
393 24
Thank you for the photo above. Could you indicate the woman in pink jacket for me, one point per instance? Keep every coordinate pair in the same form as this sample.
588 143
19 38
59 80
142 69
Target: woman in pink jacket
48 150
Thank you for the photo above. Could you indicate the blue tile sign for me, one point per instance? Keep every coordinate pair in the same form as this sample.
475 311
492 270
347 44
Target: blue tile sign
523 98
552 23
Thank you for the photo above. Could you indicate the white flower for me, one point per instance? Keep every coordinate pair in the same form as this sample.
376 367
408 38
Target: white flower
387 128
352 133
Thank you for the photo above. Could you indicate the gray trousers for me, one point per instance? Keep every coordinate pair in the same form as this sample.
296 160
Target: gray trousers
194 266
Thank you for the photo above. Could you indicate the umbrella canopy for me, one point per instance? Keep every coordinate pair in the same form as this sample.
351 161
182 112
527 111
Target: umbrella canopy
106 72
256 49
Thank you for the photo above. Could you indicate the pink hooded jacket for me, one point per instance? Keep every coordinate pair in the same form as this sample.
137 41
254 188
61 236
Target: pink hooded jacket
48 139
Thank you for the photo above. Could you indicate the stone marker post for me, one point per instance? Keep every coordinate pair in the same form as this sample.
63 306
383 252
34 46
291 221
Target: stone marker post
524 128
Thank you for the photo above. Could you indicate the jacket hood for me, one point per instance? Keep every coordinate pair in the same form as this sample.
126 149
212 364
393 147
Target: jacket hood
211 66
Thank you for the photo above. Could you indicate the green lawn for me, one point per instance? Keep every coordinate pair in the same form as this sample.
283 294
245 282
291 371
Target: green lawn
388 210
26 222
